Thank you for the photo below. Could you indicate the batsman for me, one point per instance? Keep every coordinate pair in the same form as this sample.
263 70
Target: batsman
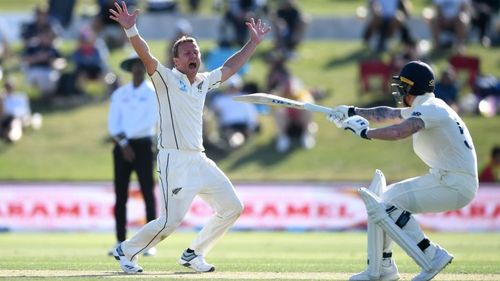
442 141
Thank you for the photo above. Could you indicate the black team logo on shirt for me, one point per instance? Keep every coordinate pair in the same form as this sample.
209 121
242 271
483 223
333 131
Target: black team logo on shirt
200 87
176 190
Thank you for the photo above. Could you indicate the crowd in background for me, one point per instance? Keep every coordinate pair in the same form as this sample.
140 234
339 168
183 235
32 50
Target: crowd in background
57 75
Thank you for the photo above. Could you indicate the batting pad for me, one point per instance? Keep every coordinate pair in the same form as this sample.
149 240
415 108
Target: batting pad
375 233
377 214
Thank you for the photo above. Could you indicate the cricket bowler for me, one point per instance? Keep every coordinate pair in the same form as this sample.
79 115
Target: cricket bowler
184 169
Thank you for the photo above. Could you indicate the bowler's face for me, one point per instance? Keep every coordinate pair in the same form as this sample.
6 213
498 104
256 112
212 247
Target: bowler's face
188 59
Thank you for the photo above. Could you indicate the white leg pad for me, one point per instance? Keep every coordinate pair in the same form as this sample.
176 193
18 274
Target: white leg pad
375 233
377 214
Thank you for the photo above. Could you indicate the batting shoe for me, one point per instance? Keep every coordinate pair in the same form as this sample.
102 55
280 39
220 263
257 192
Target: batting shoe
127 265
440 260
195 262
388 272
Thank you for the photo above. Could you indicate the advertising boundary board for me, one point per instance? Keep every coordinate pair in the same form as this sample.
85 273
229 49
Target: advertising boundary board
268 206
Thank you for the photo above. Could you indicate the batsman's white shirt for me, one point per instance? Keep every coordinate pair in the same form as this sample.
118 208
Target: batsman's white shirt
445 145
181 107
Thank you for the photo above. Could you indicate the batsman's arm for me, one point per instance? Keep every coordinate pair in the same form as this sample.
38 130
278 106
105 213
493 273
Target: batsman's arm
380 113
128 21
397 131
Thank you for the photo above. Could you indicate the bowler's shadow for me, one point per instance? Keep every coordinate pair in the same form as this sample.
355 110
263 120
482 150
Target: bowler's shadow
265 155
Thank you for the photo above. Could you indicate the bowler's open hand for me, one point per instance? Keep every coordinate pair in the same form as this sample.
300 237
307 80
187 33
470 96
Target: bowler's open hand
257 30
120 14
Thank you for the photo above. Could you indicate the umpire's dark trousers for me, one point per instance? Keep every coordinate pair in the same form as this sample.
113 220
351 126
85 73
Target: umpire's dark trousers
143 166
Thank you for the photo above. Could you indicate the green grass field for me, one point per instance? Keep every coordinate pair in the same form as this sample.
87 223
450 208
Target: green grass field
71 145
238 256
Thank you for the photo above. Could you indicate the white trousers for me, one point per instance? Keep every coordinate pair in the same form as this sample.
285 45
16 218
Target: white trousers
44 78
434 192
437 191
183 175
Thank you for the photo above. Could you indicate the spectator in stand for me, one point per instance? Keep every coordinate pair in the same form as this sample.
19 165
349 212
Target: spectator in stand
108 29
410 52
483 11
491 172
62 11
290 123
182 28
40 59
237 13
162 6
220 54
447 88
194 6
4 50
450 16
237 121
42 23
16 113
278 71
387 17
495 35
289 26
89 63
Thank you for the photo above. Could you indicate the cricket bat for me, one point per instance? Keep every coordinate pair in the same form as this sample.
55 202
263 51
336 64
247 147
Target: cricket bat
273 100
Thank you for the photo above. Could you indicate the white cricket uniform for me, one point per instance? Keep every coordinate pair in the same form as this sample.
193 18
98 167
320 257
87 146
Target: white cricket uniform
444 145
133 111
184 169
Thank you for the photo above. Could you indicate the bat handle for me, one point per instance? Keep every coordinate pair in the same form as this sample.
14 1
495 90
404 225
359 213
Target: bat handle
317 108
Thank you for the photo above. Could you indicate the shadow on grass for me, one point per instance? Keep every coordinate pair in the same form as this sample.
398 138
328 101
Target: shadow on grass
64 103
264 155
355 56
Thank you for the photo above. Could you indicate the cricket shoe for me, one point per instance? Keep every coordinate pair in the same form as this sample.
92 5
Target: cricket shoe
195 262
127 265
440 260
388 272
112 249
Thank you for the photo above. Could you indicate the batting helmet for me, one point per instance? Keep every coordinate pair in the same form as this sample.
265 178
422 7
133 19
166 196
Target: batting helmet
416 78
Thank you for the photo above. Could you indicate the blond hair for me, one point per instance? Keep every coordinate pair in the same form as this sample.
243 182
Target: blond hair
183 39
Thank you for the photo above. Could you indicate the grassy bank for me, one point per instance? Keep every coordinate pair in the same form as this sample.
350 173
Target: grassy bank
72 143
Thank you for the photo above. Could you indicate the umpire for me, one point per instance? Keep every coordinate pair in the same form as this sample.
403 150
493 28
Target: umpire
132 125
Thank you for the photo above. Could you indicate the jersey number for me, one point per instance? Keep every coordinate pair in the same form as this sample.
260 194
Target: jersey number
461 129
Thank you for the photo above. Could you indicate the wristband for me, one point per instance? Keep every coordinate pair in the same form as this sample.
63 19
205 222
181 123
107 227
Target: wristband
131 32
363 134
351 111
123 142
